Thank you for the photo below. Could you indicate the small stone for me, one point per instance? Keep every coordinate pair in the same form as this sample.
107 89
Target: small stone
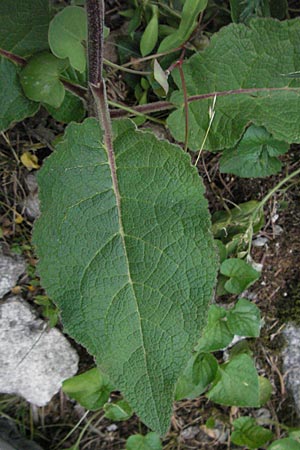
34 361
112 427
31 202
291 362
260 241
11 268
189 433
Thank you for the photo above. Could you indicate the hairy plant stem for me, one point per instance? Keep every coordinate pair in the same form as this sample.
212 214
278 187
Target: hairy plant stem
95 15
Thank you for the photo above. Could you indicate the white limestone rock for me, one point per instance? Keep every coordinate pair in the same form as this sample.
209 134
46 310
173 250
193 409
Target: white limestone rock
291 362
34 361
11 268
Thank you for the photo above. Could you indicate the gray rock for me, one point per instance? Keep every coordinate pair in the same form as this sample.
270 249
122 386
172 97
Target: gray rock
34 361
32 203
291 362
11 268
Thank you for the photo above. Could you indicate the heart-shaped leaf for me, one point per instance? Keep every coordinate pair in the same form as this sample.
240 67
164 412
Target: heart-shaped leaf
68 34
40 79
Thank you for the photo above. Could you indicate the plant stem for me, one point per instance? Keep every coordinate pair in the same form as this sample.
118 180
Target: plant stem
95 14
14 58
124 69
135 113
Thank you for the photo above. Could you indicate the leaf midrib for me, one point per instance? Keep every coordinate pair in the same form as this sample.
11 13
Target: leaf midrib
113 169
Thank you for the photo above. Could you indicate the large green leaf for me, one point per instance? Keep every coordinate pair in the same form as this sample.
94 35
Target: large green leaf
24 26
128 256
243 66
14 105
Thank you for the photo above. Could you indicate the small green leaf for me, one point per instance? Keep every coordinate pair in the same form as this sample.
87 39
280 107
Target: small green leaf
149 442
198 374
216 335
190 12
71 109
14 105
243 11
236 383
24 26
255 155
40 79
91 389
295 434
161 77
120 410
67 36
244 319
150 35
285 444
241 275
265 390
248 433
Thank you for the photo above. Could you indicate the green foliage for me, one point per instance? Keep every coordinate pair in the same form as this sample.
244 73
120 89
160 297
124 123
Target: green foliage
198 374
149 442
190 12
265 390
285 444
150 35
120 410
236 383
242 320
256 155
248 433
71 109
241 275
40 79
24 26
14 106
149 268
68 34
50 311
258 55
91 389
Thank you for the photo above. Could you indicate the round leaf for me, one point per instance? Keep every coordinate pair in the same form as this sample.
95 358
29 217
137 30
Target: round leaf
199 372
14 105
149 442
236 383
91 389
248 433
67 34
244 319
120 410
240 274
285 444
40 79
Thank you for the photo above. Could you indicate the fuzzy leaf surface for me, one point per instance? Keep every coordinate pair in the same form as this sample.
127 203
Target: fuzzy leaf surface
14 105
251 62
24 26
128 257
